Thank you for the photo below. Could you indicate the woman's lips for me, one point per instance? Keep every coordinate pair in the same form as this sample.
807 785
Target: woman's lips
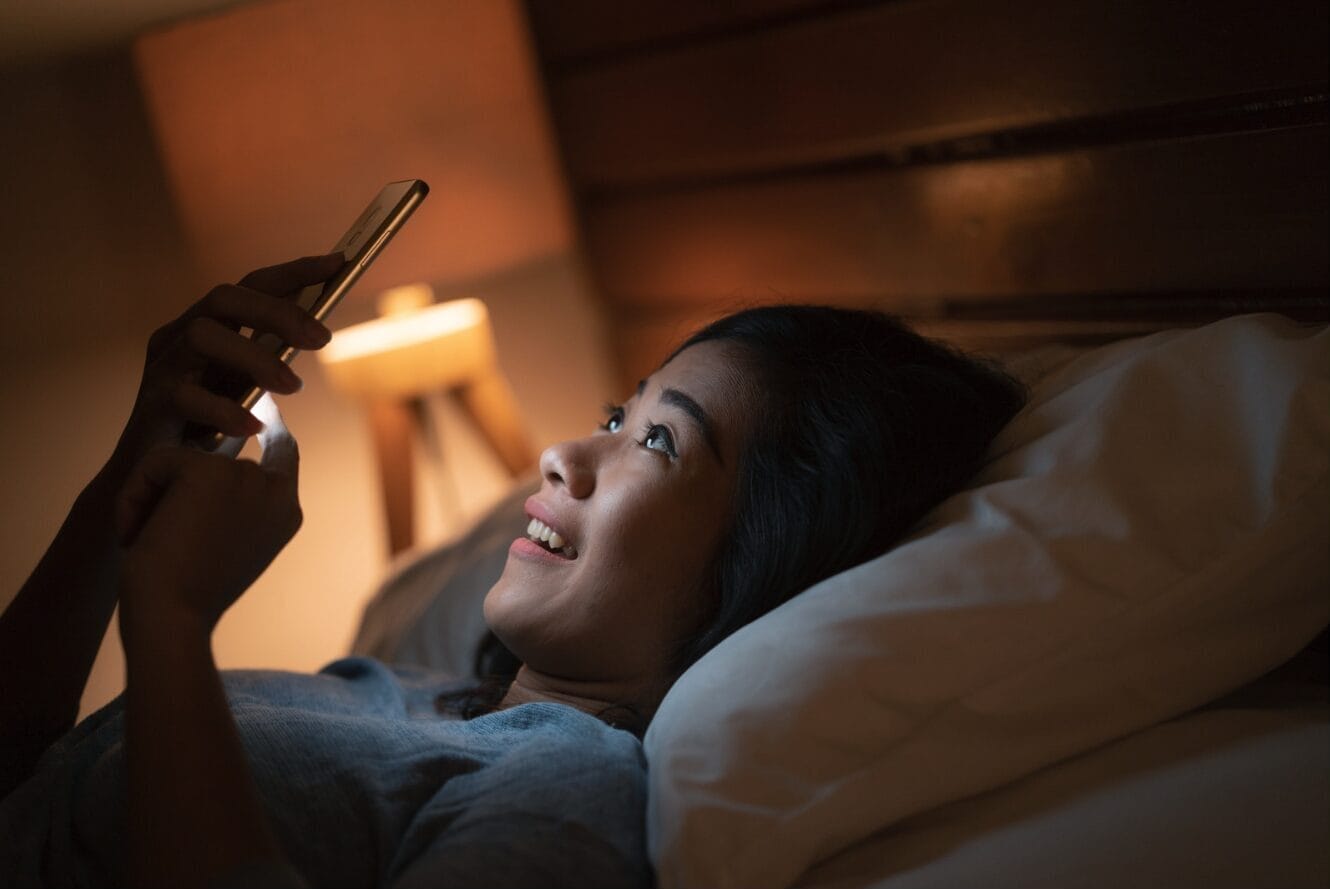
546 527
526 548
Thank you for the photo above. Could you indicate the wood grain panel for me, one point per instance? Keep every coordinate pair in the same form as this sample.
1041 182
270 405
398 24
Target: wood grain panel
641 344
1237 211
573 32
880 79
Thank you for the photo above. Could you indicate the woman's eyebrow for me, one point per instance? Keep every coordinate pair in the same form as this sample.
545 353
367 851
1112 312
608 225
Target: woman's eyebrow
689 406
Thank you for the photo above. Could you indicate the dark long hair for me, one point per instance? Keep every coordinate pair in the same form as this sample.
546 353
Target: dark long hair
860 427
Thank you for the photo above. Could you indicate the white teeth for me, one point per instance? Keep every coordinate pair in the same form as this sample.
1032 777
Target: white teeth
538 530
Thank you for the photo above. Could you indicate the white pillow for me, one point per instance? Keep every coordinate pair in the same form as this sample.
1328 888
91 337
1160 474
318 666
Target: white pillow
1153 530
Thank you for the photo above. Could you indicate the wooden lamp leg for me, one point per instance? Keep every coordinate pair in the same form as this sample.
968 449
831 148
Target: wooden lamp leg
392 422
491 404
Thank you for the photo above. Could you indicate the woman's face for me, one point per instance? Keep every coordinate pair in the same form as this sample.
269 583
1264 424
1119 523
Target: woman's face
640 508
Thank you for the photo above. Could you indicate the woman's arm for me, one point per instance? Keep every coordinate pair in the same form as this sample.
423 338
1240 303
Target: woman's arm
212 525
194 810
50 633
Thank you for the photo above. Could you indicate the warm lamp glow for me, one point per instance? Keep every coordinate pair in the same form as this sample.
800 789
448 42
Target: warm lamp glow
392 363
404 300
405 355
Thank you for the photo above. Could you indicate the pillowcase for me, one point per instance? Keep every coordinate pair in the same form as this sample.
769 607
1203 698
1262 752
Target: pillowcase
1151 532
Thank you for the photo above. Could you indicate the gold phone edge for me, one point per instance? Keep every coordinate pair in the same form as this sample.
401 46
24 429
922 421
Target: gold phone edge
400 214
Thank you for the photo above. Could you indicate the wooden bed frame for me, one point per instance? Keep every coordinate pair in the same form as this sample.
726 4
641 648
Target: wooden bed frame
1002 175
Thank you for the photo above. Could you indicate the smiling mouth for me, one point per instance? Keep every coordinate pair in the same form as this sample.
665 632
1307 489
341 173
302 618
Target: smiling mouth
549 540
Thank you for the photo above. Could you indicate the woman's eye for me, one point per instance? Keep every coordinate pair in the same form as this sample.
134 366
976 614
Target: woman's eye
613 418
658 438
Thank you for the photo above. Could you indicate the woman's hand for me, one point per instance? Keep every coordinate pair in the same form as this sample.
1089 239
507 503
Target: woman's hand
199 528
51 631
206 337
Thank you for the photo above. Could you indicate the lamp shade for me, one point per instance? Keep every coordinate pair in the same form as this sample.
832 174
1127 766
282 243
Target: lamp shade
406 355
402 357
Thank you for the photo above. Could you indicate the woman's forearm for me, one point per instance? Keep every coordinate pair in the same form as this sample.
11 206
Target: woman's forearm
199 529
50 633
194 810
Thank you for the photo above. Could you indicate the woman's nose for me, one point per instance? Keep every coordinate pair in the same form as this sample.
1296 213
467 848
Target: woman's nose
571 465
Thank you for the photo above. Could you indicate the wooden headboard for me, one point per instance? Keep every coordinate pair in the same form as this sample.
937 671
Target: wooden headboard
1002 174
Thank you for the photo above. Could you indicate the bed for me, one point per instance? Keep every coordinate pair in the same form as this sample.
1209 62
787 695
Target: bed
1102 664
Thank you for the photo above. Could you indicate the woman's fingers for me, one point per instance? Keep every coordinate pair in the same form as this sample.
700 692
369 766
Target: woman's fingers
199 528
192 403
281 455
230 447
260 302
288 277
231 355
201 354
236 306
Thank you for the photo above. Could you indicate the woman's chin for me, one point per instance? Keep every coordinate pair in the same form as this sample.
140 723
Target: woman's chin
512 609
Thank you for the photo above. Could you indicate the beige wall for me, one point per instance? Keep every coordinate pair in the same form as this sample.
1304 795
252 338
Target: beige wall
95 256
91 262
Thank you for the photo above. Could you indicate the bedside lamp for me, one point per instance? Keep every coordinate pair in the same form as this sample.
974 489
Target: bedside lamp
415 349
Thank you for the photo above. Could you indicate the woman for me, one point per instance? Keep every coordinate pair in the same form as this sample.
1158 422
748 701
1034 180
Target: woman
773 449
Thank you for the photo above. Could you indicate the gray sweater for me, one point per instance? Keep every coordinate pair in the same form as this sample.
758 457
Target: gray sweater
367 785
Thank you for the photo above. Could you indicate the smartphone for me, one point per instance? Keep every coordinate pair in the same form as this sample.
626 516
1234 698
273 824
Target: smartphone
361 244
